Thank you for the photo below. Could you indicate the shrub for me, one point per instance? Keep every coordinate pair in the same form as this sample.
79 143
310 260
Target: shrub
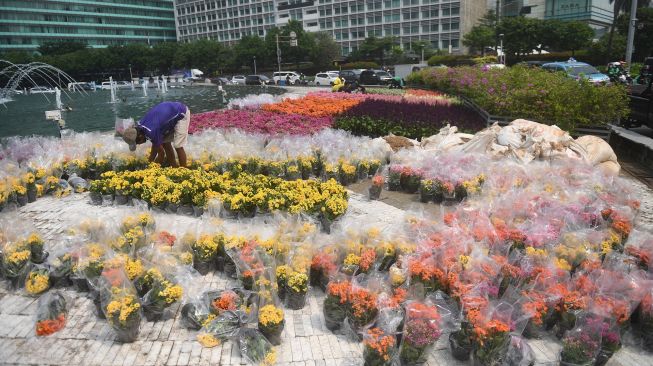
581 56
378 117
530 93
360 65
450 60
485 60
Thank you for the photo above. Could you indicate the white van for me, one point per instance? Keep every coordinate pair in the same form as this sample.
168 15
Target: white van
282 75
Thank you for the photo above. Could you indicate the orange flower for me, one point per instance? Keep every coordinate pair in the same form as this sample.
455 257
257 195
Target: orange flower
166 238
49 326
340 290
380 342
313 105
362 302
368 256
226 301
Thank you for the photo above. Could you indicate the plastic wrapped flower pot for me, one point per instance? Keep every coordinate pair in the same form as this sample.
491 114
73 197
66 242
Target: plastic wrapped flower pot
38 255
123 314
31 194
296 290
193 315
421 332
255 348
335 304
394 178
580 347
96 198
426 191
15 265
121 198
271 323
163 293
185 209
376 187
202 267
492 342
21 199
460 345
97 301
51 313
37 280
379 348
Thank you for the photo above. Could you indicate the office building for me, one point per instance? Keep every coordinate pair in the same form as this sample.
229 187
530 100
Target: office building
24 25
440 22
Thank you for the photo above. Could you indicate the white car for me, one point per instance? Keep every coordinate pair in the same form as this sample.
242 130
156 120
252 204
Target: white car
123 84
41 90
238 79
106 85
283 76
324 78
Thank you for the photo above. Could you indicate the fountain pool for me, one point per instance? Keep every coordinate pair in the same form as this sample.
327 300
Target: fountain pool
93 111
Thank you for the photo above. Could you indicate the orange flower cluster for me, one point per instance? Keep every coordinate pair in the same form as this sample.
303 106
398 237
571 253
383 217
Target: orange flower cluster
313 105
165 238
617 308
50 326
380 343
228 300
339 290
426 270
423 93
324 262
535 306
368 256
490 329
419 310
362 302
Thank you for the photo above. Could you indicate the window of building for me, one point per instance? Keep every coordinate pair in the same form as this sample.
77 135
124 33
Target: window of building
388 4
357 7
374 33
391 18
411 15
311 24
376 5
455 11
446 12
374 19
410 2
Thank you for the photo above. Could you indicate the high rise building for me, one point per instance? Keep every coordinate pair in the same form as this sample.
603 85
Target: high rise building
24 25
440 22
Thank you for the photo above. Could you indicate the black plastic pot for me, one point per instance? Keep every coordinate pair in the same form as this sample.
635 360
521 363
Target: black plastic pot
120 199
198 211
603 357
21 199
295 300
31 195
153 312
97 301
202 267
458 351
374 192
230 268
96 198
81 285
185 210
219 263
273 335
128 334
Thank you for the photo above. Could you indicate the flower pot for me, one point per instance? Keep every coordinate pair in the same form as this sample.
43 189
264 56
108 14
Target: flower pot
248 213
219 263
372 358
186 210
295 300
60 280
281 291
107 199
228 214
16 282
38 255
412 185
127 334
190 318
21 199
374 192
120 199
460 352
198 211
31 194
81 285
603 357
202 267
172 207
98 304
96 198
325 224
272 334
230 268
334 313
153 312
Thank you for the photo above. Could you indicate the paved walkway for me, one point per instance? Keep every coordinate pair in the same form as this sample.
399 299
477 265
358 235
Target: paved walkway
87 340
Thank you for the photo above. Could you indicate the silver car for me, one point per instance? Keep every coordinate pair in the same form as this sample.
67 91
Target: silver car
238 79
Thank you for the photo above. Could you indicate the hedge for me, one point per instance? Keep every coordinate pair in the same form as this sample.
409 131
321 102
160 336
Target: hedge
531 93
360 65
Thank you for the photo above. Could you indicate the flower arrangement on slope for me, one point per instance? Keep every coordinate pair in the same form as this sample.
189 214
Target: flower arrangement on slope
314 105
260 121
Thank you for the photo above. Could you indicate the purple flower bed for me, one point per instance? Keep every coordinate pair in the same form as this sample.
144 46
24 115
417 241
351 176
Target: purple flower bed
378 117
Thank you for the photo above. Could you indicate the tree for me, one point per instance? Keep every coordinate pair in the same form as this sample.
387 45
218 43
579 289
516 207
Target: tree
576 35
521 35
60 47
17 57
246 49
479 37
162 57
617 7
376 48
551 35
324 51
205 54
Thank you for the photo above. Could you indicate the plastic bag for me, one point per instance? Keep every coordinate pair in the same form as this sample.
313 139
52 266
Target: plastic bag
422 329
37 280
255 348
51 313
121 306
78 184
379 347
122 124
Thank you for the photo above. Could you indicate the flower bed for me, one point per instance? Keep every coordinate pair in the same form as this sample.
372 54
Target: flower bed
259 122
316 104
530 93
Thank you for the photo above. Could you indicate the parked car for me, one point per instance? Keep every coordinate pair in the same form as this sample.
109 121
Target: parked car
123 84
322 78
238 79
106 85
641 105
258 80
221 81
283 76
578 70
351 75
375 77
41 90
80 86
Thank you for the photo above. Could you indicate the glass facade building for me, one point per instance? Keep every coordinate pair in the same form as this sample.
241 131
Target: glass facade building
440 22
24 25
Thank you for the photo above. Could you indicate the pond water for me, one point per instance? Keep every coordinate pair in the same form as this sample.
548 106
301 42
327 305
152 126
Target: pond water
93 110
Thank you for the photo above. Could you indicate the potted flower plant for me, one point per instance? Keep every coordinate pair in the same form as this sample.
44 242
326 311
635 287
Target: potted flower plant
37 281
376 187
123 314
362 307
30 184
255 347
271 322
379 348
205 248
51 314
421 331
297 288
163 294
394 178
15 260
491 342
579 347
335 303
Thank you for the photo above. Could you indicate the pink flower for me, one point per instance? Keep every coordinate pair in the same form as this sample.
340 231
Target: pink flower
259 121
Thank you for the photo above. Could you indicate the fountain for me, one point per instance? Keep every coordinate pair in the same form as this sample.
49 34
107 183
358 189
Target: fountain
145 82
21 76
158 84
165 84
58 98
112 88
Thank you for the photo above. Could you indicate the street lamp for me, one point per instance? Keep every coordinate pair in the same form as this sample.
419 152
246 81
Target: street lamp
503 54
254 65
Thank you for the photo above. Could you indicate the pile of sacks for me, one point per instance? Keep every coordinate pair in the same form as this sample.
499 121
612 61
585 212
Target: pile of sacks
525 141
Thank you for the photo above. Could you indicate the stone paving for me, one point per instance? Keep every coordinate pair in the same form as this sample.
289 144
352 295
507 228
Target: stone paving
87 340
